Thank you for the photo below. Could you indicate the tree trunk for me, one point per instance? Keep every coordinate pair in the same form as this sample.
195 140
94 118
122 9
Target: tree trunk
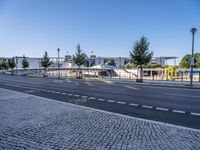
140 75
45 72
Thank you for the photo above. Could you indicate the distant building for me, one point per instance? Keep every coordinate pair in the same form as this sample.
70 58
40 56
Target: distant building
33 62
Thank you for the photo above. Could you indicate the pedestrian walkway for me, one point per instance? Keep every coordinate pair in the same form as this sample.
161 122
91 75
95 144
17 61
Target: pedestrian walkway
30 122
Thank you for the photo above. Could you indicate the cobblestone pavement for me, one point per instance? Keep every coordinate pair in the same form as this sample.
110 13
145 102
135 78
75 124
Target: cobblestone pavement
29 122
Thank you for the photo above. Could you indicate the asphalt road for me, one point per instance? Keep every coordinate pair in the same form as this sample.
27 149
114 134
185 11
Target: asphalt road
180 106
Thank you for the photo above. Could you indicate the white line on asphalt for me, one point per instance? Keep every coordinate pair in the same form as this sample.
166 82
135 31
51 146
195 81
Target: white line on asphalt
92 98
53 91
146 106
84 96
131 87
121 102
195 114
179 111
63 93
77 95
70 94
100 99
183 95
164 109
132 104
57 92
110 101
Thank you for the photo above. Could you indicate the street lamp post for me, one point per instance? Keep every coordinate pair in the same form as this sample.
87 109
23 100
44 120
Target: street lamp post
58 62
193 30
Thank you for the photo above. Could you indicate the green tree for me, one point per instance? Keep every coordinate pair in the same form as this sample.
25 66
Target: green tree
197 60
153 66
185 61
79 59
4 64
46 62
129 66
25 63
11 63
141 55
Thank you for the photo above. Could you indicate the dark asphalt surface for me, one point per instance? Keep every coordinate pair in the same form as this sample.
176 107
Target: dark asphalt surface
186 101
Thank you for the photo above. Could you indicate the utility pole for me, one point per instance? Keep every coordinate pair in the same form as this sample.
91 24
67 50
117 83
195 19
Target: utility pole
193 30
58 62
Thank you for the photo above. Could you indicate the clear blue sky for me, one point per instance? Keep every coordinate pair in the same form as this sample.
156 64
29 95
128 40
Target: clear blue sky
107 27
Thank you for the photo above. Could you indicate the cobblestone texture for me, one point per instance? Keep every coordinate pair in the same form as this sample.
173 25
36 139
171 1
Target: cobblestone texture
28 122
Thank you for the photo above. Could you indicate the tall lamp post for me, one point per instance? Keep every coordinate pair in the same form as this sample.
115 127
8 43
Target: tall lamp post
58 62
193 30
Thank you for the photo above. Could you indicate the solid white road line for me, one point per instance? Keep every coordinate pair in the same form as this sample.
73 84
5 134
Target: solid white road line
179 111
164 109
131 87
183 95
121 102
195 114
146 106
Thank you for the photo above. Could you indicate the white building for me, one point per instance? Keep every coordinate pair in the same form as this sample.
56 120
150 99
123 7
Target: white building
33 62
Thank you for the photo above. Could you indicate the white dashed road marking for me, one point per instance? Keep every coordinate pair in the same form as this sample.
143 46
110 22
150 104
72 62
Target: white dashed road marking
110 101
100 99
84 96
195 114
77 95
121 102
146 106
132 104
164 109
92 98
178 111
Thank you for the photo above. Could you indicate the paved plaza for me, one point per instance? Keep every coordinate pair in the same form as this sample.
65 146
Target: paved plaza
30 122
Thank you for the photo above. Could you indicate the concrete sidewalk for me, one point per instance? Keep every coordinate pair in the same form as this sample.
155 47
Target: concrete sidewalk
30 122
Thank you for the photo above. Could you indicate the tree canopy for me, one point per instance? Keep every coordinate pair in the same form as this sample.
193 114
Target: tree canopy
25 63
4 64
79 57
185 61
140 54
11 63
46 62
